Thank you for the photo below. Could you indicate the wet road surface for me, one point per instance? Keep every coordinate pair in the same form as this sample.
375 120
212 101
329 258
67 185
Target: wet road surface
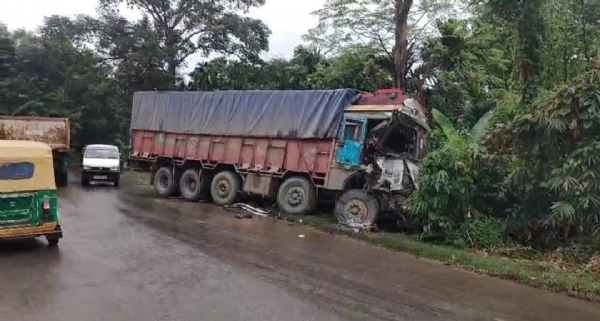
127 256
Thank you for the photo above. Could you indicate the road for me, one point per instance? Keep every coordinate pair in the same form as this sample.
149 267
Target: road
128 256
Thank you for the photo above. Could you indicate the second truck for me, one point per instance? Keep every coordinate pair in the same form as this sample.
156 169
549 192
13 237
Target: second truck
294 147
53 131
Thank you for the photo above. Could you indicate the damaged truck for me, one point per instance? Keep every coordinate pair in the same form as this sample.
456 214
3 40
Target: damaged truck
294 147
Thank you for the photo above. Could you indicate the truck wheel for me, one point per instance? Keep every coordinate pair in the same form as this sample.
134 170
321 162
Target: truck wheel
85 181
192 185
355 207
62 174
163 182
224 188
296 196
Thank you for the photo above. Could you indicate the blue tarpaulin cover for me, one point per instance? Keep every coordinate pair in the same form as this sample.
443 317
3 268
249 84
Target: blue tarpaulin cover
260 113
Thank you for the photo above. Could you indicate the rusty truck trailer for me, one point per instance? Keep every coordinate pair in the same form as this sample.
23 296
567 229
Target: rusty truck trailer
271 156
53 131
284 145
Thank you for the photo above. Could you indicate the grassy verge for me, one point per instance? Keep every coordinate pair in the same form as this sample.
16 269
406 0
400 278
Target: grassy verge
137 176
576 281
573 280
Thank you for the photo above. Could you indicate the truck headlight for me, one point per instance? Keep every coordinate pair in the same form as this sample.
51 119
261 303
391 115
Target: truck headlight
87 167
115 169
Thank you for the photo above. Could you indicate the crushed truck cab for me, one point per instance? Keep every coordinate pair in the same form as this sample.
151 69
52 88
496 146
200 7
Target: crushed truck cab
377 156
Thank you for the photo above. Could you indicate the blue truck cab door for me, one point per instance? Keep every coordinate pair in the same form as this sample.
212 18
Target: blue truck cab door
351 141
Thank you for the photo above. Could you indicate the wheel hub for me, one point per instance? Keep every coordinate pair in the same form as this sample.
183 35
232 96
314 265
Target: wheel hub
356 209
295 196
223 188
163 181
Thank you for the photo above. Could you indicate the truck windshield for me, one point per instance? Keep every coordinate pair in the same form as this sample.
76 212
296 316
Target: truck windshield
101 153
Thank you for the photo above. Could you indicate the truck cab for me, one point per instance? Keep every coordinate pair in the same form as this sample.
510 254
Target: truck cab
381 139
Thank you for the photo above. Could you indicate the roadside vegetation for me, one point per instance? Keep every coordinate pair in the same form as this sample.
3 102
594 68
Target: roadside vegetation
511 183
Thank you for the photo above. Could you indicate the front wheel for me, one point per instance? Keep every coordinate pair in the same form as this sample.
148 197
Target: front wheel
356 208
296 196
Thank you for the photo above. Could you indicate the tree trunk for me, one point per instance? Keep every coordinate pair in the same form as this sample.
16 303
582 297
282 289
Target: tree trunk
402 8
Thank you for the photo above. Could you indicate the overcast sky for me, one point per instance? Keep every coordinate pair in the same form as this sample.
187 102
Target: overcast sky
288 20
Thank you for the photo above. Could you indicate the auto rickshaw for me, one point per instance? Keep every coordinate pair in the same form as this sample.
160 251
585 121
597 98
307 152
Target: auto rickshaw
28 195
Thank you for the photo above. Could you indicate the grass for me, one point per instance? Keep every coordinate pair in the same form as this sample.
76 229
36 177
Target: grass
137 176
573 280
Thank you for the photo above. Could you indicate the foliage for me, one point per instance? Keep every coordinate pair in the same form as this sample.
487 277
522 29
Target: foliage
560 135
450 178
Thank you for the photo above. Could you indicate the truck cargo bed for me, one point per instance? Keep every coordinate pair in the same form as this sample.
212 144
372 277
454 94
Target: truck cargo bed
49 130
270 155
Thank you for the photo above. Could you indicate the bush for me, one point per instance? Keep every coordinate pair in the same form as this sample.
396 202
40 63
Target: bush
481 232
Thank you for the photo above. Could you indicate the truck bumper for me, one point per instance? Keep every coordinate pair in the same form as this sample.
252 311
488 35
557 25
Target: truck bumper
100 176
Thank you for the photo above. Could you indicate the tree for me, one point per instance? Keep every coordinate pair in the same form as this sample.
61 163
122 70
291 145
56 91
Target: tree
367 22
179 28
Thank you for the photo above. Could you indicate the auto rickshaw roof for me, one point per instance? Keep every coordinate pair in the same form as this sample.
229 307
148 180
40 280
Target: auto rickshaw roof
11 149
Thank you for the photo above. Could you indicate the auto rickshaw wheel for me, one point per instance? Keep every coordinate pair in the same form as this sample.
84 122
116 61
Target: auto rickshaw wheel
52 241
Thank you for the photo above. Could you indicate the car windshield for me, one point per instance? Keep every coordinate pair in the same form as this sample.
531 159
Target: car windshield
101 153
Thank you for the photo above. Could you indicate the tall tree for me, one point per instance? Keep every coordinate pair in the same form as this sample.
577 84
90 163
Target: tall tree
180 28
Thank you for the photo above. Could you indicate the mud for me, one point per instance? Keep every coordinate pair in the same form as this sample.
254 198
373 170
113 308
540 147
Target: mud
129 256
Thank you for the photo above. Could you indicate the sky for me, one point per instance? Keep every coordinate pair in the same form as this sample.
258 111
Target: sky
288 20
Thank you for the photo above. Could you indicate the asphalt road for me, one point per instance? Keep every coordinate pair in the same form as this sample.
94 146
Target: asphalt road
127 256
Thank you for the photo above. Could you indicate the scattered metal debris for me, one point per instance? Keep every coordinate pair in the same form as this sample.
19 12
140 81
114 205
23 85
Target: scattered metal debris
247 211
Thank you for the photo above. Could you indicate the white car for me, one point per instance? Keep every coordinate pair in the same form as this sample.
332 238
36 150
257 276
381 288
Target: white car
101 163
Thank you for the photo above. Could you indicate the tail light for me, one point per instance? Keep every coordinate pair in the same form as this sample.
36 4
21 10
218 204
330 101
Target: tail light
46 206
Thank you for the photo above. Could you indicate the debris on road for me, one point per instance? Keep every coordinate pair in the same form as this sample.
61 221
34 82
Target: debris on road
247 211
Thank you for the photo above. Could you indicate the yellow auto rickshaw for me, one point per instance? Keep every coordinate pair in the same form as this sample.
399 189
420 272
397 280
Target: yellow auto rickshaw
28 194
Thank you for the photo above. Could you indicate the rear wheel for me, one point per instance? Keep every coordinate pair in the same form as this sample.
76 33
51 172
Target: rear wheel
163 182
61 173
52 241
224 188
355 207
297 196
192 185
85 180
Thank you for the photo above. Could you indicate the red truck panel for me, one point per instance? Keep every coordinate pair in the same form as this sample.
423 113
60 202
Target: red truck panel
50 130
274 155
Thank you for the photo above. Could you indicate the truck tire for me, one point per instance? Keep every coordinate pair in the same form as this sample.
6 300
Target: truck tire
224 188
192 185
356 207
164 184
85 180
297 196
